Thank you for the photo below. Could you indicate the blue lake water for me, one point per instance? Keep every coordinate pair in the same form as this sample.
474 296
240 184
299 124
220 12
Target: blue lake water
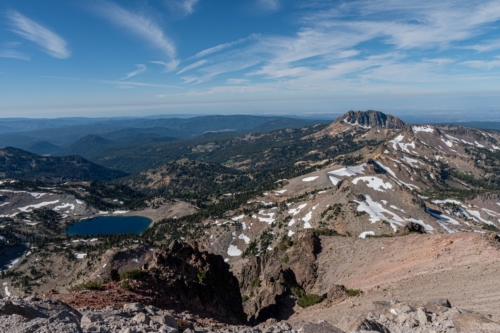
110 225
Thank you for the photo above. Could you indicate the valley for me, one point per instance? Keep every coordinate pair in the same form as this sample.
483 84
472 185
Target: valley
284 215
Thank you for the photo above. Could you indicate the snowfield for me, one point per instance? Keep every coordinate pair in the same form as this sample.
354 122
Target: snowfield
310 179
378 213
233 251
425 128
27 209
246 239
349 171
334 180
306 220
373 182
366 233
295 211
403 146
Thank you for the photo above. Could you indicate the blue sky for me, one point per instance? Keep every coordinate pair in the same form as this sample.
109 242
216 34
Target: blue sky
138 57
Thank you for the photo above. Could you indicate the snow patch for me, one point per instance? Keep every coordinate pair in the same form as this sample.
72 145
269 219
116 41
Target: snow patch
310 179
349 171
425 128
334 180
373 182
295 211
233 251
27 209
306 220
366 233
246 239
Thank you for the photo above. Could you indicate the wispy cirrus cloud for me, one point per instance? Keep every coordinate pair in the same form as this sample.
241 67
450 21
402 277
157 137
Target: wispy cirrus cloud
168 66
483 64
223 46
182 7
487 46
133 84
362 45
141 68
49 41
193 66
269 5
14 54
142 26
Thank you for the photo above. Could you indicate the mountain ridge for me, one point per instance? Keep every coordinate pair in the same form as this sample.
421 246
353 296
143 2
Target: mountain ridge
20 164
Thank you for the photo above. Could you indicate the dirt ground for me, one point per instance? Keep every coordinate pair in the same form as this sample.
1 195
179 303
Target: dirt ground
463 267
168 210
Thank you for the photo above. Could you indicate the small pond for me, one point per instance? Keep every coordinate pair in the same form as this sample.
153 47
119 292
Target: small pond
110 225
10 254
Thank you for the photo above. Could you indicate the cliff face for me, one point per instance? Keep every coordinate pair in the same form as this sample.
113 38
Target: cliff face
371 119
268 280
176 278
196 280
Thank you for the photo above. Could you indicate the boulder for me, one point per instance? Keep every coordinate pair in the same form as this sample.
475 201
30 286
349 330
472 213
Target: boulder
435 308
422 317
467 322
141 318
167 320
441 301
133 307
322 327
91 318
349 324
380 307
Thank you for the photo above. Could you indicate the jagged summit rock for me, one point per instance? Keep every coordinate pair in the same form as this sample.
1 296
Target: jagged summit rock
370 125
371 119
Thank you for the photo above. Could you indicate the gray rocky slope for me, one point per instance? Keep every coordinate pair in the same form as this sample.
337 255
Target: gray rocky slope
36 315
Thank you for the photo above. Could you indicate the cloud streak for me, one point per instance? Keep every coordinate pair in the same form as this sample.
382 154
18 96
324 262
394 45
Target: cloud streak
269 5
328 52
223 46
142 27
140 69
193 66
50 42
13 54
185 7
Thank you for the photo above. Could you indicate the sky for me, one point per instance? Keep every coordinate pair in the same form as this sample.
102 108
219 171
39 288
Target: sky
66 58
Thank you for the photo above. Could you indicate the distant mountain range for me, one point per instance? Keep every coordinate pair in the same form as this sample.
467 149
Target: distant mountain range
19 164
67 135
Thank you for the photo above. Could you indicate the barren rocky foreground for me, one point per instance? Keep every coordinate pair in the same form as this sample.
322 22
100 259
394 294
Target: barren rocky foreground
412 283
462 267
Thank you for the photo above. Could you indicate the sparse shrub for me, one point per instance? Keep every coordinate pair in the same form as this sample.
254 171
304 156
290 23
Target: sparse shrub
285 242
255 282
286 260
308 300
114 275
298 291
91 285
133 274
244 298
126 285
490 227
353 292
202 275
325 232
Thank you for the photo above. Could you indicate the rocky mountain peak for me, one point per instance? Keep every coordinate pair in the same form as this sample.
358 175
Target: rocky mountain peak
370 119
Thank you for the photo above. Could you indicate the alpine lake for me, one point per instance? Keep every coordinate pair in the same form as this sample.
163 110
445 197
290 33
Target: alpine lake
104 225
